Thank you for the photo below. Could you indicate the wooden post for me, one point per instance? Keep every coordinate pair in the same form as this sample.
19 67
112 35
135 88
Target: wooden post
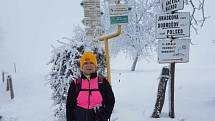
107 60
105 39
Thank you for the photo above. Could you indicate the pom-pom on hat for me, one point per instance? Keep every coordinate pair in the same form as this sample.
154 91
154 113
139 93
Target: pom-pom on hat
88 56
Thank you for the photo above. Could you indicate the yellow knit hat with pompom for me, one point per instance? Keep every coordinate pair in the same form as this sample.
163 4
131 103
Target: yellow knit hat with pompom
88 57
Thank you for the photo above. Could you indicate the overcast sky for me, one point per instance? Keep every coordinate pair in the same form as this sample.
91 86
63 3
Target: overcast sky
29 27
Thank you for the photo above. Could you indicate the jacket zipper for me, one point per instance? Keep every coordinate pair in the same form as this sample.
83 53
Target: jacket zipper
89 95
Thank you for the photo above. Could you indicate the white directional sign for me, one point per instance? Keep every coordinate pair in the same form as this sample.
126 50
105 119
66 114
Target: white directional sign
88 13
172 5
118 13
91 21
99 31
118 9
91 3
89 31
91 8
111 1
176 50
173 25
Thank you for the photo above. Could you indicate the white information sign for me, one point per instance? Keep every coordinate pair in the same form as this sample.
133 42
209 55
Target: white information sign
176 50
118 9
173 25
91 4
92 13
91 21
91 8
172 5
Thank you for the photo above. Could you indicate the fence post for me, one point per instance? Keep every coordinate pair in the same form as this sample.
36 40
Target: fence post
3 76
7 86
14 67
11 87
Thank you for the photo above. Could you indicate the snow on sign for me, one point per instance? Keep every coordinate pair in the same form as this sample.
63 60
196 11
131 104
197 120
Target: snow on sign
176 50
173 25
172 5
118 13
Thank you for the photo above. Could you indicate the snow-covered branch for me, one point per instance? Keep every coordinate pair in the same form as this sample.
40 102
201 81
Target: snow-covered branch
196 8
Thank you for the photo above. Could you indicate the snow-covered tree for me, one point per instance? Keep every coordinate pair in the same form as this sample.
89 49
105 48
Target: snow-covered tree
197 11
65 67
138 37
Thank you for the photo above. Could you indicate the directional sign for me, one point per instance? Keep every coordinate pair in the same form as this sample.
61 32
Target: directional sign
91 21
118 13
172 5
173 25
118 19
176 50
91 3
92 14
91 8
118 9
89 31
111 1
99 31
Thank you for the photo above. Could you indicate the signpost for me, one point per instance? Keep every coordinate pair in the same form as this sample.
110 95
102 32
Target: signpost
173 25
176 50
92 21
169 27
172 5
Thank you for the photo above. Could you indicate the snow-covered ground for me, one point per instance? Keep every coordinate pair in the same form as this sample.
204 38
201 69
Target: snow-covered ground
135 94
32 99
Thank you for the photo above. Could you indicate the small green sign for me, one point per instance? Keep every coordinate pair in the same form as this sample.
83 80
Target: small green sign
118 19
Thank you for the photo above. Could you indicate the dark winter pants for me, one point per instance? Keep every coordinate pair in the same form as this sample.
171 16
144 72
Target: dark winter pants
82 114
